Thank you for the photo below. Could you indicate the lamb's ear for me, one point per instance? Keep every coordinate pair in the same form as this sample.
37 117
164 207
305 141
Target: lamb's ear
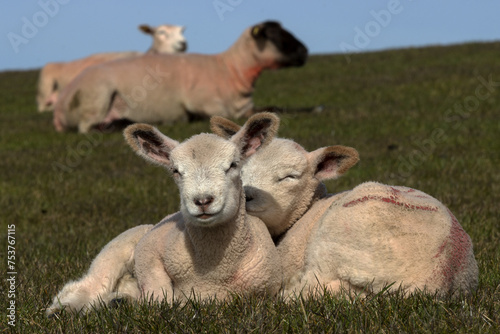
223 127
333 161
146 29
257 132
150 143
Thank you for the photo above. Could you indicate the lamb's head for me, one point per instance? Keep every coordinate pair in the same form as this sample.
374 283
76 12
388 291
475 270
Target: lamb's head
282 180
206 167
166 38
276 45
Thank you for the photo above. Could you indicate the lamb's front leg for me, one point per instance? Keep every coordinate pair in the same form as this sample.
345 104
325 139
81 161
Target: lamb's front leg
110 276
312 283
154 282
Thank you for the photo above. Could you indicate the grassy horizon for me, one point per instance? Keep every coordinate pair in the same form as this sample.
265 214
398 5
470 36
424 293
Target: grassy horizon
426 118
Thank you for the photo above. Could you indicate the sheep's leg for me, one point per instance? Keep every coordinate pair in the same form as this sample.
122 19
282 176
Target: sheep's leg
115 117
117 109
85 125
154 282
110 276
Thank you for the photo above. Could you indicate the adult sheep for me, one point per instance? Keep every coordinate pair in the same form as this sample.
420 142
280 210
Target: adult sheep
167 88
210 248
362 240
55 76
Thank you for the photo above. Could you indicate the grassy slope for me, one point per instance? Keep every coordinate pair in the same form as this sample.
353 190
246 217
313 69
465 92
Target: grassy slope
396 107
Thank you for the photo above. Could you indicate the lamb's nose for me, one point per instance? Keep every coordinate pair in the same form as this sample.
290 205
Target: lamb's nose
204 202
183 46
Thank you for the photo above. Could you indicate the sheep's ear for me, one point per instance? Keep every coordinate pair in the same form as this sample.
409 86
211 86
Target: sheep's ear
150 143
223 127
257 31
264 29
257 132
147 29
333 161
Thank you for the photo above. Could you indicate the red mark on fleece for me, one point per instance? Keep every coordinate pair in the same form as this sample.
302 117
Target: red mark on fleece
251 74
393 198
390 200
458 250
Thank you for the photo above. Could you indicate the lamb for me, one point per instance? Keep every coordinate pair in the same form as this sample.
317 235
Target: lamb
360 240
55 76
180 249
211 248
168 88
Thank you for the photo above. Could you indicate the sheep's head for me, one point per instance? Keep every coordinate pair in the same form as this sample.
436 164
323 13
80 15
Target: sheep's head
205 167
166 38
278 44
282 180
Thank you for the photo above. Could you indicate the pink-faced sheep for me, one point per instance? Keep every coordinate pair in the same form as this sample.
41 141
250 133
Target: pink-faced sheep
168 88
362 240
54 77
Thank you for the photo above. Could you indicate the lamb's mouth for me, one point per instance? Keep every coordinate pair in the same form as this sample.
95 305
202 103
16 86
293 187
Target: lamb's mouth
204 216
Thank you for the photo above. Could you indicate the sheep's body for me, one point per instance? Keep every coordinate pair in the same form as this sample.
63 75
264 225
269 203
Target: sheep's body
110 276
207 263
211 248
363 239
168 88
376 235
54 77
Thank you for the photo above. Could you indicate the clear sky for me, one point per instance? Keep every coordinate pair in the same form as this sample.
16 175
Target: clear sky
40 31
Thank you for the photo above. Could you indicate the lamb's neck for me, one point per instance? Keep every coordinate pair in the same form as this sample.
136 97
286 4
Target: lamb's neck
214 244
320 192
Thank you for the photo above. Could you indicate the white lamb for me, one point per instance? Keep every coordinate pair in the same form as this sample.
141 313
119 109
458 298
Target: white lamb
54 77
361 240
168 88
211 248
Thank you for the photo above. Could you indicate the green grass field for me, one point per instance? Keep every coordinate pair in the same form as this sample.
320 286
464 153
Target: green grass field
425 118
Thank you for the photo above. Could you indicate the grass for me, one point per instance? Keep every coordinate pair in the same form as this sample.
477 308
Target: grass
418 117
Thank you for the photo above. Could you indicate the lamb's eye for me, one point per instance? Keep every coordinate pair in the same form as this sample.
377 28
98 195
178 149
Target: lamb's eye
175 171
232 166
287 177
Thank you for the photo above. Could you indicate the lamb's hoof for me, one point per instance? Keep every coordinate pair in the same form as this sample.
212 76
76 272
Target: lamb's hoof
55 313
114 303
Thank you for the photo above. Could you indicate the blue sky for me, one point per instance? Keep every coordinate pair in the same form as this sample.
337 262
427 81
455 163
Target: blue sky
70 29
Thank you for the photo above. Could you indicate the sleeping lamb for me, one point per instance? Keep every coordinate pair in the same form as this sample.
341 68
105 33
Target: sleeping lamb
361 240
55 76
168 88
211 248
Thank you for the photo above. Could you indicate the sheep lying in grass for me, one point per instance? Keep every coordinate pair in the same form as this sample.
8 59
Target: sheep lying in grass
210 248
361 240
168 88
55 76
